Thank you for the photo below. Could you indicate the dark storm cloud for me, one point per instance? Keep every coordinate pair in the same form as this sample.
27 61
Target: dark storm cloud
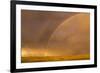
38 26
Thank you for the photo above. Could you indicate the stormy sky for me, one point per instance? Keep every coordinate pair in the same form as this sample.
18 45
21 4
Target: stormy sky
59 33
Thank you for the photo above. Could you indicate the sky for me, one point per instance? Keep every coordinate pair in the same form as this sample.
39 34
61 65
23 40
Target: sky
51 33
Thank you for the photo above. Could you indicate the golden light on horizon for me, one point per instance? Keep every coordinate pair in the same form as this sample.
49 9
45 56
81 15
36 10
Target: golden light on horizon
34 56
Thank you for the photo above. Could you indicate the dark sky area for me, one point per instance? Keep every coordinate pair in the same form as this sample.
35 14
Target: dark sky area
38 26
